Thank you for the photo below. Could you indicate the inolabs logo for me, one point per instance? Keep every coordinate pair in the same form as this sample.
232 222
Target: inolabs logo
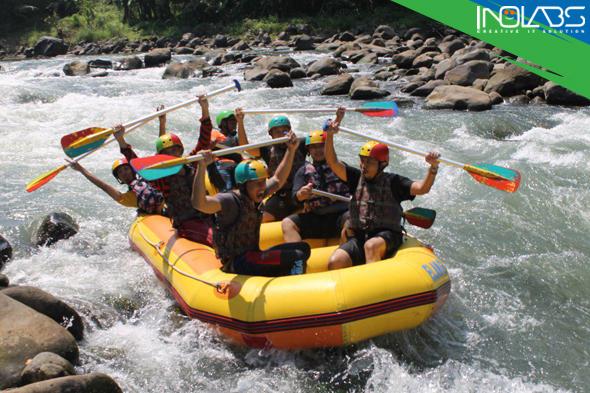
532 19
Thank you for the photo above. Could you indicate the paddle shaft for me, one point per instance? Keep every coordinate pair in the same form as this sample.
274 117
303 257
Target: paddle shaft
400 147
335 197
304 110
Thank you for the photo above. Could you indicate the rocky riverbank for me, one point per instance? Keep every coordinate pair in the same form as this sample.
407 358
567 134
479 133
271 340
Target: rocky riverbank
450 70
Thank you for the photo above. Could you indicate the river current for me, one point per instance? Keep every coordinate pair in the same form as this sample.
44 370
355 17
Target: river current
517 319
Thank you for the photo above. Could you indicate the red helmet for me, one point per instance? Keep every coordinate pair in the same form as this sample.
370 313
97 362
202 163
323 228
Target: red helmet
376 150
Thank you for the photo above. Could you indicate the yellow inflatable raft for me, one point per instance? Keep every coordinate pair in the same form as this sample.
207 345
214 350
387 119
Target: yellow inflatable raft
319 309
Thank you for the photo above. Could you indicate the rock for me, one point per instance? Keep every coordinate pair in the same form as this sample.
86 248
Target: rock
477 54
324 66
195 42
284 36
210 71
404 59
76 68
255 74
88 383
283 63
537 101
479 84
240 45
428 87
277 79
179 71
410 87
183 50
378 42
347 36
519 100
50 46
369 58
558 95
451 46
364 89
44 366
327 47
345 48
513 80
23 334
465 74
443 67
413 30
304 42
422 61
220 41
101 63
431 42
54 227
98 74
459 98
5 251
337 85
297 73
157 57
496 98
385 32
4 281
129 63
50 306
426 49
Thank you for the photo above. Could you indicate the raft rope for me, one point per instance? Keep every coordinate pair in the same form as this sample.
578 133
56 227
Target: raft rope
220 287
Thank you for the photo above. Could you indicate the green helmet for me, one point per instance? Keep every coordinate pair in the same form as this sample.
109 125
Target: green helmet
278 121
226 114
250 170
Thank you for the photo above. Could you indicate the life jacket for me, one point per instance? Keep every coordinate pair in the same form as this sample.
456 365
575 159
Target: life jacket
178 200
277 152
149 200
373 206
323 178
240 236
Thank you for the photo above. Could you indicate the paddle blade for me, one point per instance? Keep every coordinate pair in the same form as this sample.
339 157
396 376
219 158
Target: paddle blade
73 147
141 167
498 177
44 178
420 217
379 109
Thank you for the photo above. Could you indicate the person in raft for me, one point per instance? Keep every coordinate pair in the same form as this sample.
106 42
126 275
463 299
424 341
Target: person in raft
281 204
321 217
238 217
140 193
375 208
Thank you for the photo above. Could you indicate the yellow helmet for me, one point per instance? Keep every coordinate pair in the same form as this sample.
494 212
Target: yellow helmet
250 170
376 150
314 137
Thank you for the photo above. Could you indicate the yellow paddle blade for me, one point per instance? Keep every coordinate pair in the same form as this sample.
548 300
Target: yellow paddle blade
44 178
91 139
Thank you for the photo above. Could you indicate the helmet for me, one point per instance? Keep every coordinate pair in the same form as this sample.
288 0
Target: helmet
226 114
376 150
117 164
166 141
315 137
278 121
250 170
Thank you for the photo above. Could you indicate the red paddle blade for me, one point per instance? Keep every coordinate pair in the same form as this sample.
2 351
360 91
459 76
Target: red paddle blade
420 217
379 109
498 177
45 178
141 167
74 138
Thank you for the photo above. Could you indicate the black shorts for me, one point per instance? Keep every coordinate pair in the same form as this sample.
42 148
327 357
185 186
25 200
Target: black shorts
319 226
280 205
355 246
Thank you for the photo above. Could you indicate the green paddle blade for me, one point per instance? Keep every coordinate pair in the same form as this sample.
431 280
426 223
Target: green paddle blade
140 165
420 217
501 178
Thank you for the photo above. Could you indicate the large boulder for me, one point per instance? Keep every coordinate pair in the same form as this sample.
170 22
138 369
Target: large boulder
179 71
443 67
220 41
459 98
337 85
465 74
240 45
129 63
451 46
263 65
384 31
475 54
512 80
428 87
25 333
101 63
157 57
277 78
423 60
303 42
76 68
365 89
405 59
50 46
88 383
46 365
297 73
50 306
5 251
54 227
324 66
558 95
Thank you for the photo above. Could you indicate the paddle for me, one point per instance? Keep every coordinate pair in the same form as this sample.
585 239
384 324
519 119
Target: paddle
82 141
418 216
45 178
498 177
162 165
372 109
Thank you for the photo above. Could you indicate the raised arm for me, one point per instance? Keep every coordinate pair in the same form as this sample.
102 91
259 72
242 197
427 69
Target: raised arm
282 172
242 136
423 186
110 190
200 200
337 166
206 127
162 120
